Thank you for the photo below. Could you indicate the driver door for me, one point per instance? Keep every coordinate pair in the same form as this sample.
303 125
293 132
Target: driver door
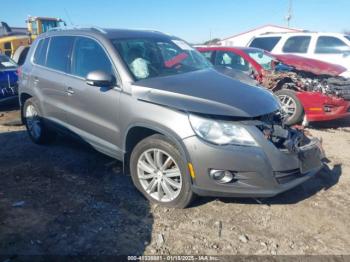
93 112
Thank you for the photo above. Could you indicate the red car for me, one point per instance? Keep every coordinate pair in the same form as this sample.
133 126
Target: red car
309 90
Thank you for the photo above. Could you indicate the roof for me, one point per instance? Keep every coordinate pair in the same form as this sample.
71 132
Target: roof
111 33
260 27
301 33
133 33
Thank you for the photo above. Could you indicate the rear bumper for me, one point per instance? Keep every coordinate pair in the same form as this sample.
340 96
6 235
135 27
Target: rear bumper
320 107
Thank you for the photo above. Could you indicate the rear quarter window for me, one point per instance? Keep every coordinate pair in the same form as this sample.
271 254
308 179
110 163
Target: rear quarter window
266 43
297 44
58 56
40 52
330 45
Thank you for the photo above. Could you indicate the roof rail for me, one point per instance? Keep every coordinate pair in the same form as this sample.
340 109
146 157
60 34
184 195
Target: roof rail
301 31
99 29
62 28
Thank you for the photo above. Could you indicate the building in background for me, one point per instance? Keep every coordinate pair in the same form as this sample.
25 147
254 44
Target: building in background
244 38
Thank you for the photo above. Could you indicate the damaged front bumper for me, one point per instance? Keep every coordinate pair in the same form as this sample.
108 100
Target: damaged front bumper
262 171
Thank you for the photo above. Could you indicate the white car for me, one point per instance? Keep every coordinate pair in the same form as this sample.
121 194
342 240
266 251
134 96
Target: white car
329 47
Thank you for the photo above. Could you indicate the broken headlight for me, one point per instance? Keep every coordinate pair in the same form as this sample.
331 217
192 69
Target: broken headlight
221 132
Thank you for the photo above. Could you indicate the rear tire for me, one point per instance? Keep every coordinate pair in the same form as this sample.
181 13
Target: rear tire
159 172
291 105
37 130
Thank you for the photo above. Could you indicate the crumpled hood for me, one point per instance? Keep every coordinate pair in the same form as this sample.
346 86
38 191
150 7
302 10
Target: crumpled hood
311 65
207 92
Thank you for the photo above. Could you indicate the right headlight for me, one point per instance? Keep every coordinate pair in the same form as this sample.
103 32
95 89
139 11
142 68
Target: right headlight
221 132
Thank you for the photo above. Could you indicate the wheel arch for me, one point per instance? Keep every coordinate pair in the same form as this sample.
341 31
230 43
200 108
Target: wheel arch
282 82
139 131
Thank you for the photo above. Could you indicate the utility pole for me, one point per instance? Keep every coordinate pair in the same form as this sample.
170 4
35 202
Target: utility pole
290 12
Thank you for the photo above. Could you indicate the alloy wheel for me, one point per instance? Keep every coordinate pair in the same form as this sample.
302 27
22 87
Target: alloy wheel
159 175
289 105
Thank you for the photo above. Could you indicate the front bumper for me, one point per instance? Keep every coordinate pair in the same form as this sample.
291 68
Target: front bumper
263 171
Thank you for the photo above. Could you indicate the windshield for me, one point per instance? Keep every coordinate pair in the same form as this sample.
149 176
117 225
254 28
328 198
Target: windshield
49 24
7 63
148 58
261 58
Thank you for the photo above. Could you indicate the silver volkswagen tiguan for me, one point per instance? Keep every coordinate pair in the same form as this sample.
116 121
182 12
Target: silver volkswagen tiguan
152 101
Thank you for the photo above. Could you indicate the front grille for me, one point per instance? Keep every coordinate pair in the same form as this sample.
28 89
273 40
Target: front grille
284 177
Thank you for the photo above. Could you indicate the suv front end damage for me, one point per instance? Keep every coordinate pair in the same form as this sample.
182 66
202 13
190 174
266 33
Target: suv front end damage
283 158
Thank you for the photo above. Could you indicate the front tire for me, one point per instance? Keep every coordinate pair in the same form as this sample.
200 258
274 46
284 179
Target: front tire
159 172
36 128
291 105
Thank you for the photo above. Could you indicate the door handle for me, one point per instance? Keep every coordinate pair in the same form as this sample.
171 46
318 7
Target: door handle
36 80
70 91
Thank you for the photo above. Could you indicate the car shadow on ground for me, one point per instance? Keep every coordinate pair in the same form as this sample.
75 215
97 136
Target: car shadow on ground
323 180
67 199
333 124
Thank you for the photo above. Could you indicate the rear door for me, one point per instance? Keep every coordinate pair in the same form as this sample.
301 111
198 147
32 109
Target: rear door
49 76
93 111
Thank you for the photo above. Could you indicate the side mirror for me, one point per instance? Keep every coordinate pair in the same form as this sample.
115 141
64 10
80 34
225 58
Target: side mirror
100 78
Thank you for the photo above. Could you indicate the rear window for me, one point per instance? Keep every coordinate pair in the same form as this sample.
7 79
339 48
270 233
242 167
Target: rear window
297 44
266 43
40 52
58 56
330 45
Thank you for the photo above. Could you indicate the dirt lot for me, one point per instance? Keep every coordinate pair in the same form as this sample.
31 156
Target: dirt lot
67 198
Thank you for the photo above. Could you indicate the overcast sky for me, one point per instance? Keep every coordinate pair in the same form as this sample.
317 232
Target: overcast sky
192 20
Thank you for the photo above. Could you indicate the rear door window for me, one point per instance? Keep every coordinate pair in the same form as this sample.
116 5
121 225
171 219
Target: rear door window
330 45
297 44
89 56
59 54
40 52
266 43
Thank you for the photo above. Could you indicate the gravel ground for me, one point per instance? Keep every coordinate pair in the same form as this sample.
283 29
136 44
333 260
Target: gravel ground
68 199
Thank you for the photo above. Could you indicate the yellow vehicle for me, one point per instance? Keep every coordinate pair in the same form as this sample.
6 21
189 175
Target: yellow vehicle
16 44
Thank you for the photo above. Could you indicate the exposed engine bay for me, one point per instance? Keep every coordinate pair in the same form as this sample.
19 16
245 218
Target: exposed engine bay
288 77
281 135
